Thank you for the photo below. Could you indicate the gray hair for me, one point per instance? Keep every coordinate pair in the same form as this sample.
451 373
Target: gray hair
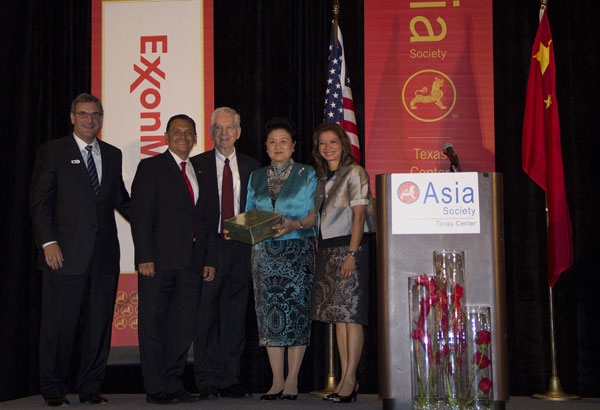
86 98
225 110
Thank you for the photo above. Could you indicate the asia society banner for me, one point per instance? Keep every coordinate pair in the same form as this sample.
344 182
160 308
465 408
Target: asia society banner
150 61
428 83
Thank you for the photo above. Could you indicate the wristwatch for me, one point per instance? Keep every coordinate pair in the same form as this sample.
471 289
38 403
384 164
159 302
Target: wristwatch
353 253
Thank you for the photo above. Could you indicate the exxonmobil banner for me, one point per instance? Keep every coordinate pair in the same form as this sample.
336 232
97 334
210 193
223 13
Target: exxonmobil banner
428 82
150 60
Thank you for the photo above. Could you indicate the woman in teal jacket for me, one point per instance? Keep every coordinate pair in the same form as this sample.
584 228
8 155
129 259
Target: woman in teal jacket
283 267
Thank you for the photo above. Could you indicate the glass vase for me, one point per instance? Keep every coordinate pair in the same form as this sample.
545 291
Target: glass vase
425 339
450 279
479 392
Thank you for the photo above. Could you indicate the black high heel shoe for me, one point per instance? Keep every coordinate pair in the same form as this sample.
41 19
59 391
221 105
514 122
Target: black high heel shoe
348 399
271 397
291 397
330 396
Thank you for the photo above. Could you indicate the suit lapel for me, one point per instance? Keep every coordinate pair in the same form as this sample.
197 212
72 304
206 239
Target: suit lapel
175 170
106 167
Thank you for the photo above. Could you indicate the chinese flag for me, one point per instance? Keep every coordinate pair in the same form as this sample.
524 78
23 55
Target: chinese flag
541 150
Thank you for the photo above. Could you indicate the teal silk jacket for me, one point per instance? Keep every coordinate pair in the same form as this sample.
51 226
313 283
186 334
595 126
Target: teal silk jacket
295 200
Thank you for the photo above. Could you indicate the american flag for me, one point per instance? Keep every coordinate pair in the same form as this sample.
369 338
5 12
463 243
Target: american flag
339 106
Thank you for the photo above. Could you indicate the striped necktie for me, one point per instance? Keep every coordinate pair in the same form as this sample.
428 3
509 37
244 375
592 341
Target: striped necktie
91 167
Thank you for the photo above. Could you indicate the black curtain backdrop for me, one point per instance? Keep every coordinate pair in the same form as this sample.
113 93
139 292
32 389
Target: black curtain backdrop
270 59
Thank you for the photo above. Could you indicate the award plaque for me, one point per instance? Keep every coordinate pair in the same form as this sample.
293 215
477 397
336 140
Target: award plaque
253 226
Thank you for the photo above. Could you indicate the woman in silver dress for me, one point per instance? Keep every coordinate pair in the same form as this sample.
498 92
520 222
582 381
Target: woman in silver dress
340 290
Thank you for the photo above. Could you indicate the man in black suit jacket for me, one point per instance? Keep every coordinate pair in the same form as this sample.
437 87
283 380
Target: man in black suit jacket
220 322
173 227
76 187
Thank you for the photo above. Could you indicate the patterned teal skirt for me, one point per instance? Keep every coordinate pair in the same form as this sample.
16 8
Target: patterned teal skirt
283 276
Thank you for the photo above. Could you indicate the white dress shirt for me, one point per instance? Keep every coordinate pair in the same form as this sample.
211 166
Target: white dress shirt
220 162
191 174
95 154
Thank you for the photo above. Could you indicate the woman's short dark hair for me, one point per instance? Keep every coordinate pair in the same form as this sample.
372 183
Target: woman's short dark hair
347 157
280 123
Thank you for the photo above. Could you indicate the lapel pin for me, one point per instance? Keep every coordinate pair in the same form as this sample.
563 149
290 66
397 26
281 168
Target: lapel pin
301 171
75 161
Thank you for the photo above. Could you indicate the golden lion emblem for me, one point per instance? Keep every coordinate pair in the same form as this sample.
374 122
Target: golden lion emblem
434 97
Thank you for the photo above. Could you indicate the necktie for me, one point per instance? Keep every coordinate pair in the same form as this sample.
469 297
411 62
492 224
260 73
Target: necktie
226 193
91 167
187 181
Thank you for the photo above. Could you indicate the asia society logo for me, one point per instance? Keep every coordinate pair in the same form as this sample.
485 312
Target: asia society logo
408 192
120 323
429 95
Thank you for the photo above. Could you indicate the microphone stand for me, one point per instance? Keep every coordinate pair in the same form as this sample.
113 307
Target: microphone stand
454 164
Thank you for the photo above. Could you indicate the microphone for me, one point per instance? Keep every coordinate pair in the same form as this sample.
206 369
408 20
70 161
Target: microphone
454 163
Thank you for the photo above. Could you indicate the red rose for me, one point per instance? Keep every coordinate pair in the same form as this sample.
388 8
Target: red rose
482 360
457 295
418 334
483 337
485 385
432 286
422 280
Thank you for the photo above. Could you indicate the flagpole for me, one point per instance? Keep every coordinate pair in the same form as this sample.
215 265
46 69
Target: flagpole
555 391
336 15
331 381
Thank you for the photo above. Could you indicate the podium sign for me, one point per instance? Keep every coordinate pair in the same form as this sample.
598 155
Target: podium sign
435 203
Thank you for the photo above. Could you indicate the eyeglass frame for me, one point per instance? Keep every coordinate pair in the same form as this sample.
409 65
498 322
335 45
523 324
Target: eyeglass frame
83 115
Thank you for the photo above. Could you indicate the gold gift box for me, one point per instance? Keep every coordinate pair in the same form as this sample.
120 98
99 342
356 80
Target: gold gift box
253 226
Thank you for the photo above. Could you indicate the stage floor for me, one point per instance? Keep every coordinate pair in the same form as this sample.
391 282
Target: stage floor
305 401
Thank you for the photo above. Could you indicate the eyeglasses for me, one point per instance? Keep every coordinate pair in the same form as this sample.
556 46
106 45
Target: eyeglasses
85 115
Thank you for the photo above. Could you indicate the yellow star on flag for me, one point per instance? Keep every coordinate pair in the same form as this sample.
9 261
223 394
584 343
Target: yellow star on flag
548 101
543 56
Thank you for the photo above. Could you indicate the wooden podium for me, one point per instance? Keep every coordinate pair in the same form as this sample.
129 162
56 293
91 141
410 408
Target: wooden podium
402 255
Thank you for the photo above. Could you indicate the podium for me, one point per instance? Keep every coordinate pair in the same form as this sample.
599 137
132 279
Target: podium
402 255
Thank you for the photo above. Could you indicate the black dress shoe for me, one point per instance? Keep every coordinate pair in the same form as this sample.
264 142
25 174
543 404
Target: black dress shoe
56 400
211 392
273 396
93 398
291 397
159 398
185 397
235 391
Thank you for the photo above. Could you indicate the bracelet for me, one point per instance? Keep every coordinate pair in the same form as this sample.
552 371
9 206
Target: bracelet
301 224
352 253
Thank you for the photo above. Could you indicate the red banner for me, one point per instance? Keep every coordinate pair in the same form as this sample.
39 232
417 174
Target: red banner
428 82
125 318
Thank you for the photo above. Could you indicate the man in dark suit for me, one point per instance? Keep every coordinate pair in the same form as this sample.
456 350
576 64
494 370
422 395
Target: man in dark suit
220 322
76 187
174 232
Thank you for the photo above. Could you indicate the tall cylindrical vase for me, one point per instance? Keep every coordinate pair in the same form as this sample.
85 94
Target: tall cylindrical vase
450 279
479 392
424 311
